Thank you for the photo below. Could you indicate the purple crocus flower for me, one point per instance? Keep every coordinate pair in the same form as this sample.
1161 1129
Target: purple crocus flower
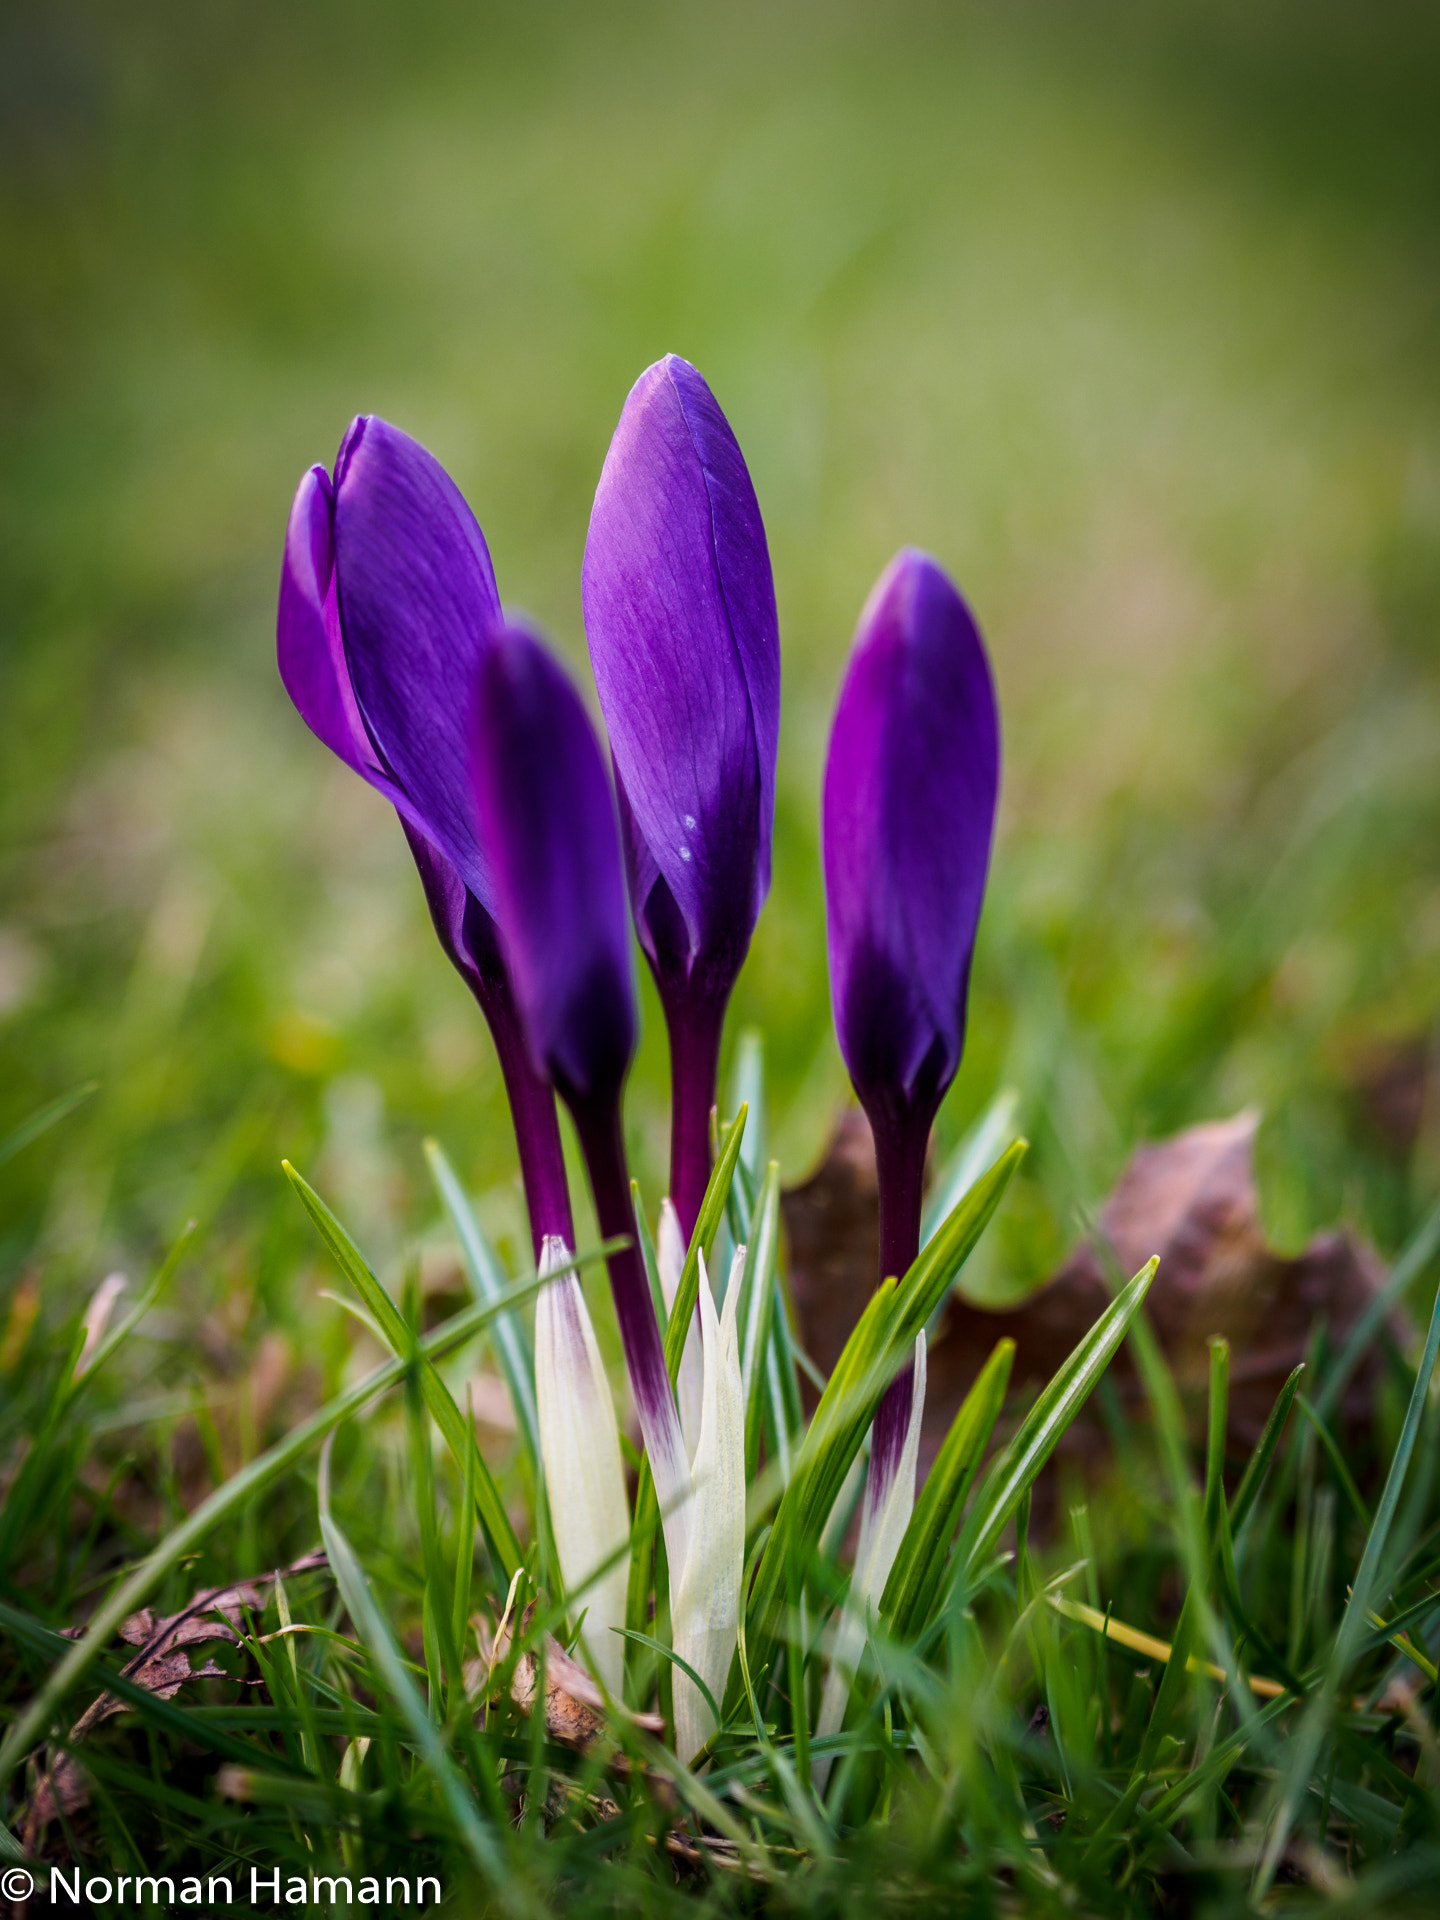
909 810
387 600
547 819
680 617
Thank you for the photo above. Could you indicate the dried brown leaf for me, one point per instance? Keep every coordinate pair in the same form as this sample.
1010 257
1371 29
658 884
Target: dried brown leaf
1191 1199
574 1705
162 1666
63 1790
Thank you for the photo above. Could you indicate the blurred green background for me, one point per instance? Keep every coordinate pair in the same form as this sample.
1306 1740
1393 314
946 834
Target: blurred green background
1130 313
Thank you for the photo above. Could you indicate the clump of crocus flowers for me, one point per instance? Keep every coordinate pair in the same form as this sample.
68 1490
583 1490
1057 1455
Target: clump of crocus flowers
536 858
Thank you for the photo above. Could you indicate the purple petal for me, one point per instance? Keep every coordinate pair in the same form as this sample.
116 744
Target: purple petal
547 819
465 930
680 617
472 941
417 599
909 809
308 644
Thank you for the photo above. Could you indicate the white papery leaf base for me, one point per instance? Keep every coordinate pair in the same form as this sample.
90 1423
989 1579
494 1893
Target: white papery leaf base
584 1473
882 1528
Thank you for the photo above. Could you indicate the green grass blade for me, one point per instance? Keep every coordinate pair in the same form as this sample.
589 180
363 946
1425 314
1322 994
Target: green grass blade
764 1254
659 1648
712 1212
1337 1460
464 1557
488 1280
71 1383
979 1149
166 1715
649 1259
747 1089
253 1478
1014 1472
1172 1684
875 1351
1259 1461
122 1331
494 1521
915 1579
43 1119
26 1488
483 1846
643 1535
1172 1803
707 1225
1354 1622
1413 1260
1215 1439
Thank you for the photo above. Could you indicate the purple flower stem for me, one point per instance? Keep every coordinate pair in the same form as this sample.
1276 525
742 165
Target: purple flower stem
597 1121
900 1148
537 1125
694 1031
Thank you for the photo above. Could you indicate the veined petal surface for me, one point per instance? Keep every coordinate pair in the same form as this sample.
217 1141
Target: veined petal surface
680 616
309 647
387 602
911 781
547 819
417 602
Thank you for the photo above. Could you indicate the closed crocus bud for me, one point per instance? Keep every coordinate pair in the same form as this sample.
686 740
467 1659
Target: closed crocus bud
909 810
387 599
547 820
680 618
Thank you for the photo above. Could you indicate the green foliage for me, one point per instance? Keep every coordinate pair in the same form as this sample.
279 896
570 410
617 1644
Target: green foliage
913 1588
873 1355
459 1434
1126 313
389 1741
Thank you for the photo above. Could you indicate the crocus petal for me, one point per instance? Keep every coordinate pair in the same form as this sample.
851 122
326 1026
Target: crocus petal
464 929
909 808
690 1383
309 647
705 1604
680 617
884 1518
584 1473
387 597
386 588
547 820
417 601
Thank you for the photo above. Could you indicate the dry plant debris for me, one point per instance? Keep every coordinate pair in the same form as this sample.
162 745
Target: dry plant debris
1191 1199
161 1666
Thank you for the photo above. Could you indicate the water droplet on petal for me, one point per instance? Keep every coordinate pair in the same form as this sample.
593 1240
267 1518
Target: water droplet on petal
684 853
689 823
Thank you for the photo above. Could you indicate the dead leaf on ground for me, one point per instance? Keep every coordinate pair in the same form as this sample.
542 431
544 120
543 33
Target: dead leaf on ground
574 1705
1192 1200
161 1666
1393 1082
